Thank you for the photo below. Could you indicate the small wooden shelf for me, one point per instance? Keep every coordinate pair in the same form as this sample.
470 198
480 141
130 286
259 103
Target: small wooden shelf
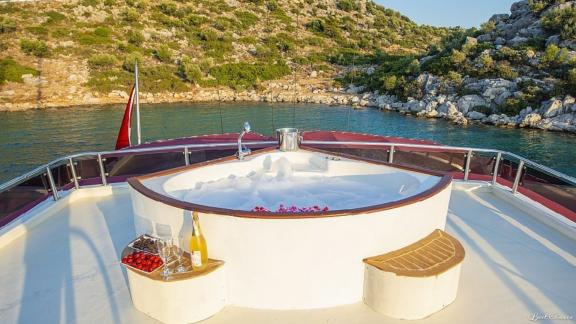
211 266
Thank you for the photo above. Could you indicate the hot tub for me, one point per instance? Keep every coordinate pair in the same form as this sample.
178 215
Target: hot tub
312 258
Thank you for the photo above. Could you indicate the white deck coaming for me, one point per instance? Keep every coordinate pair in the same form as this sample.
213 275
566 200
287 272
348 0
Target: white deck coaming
515 266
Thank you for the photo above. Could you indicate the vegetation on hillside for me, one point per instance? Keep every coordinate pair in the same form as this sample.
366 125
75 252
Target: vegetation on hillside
459 55
207 42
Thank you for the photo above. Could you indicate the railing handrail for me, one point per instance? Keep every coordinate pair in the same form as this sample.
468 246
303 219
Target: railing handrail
58 161
17 180
452 148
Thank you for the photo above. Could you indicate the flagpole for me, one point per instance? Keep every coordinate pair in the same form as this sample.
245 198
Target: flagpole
136 93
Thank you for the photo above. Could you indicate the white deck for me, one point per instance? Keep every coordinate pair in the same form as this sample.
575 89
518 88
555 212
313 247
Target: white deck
65 269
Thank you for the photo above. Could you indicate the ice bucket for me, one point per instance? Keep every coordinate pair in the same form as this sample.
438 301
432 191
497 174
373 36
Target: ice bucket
288 139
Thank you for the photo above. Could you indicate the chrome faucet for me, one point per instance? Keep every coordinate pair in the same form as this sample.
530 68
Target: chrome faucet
243 150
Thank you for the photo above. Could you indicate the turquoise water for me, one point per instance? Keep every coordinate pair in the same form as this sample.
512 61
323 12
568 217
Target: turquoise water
31 138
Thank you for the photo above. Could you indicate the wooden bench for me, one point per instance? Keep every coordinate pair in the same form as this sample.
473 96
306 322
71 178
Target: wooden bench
414 281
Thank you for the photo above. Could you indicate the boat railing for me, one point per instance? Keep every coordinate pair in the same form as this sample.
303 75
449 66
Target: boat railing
547 186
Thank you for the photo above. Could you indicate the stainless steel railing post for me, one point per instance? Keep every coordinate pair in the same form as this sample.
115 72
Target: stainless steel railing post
73 171
52 184
518 176
391 154
186 156
102 170
496 166
467 166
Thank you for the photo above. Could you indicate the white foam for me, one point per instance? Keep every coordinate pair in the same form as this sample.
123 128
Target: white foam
281 182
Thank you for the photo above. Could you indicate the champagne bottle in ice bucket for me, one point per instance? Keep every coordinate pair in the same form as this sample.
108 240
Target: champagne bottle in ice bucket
198 248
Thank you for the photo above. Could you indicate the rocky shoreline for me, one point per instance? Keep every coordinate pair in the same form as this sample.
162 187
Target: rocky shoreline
556 114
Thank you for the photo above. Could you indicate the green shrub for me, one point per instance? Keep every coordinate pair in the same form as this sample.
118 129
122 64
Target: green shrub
97 61
282 41
244 75
539 5
512 106
103 32
108 80
458 57
38 30
562 21
487 27
135 37
246 18
315 25
34 47
7 25
455 77
346 5
189 71
54 17
505 70
168 8
130 15
217 47
130 61
195 20
12 71
90 3
163 54
248 40
161 78
571 82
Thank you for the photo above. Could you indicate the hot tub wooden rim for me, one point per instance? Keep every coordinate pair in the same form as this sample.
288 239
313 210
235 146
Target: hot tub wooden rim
136 184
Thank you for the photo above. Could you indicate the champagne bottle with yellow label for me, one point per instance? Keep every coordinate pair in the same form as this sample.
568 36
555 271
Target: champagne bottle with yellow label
198 248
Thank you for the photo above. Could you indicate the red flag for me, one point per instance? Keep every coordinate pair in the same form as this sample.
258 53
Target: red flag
123 139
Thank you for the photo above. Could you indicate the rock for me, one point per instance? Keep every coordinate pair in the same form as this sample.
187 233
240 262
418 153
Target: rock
500 41
498 18
354 89
517 41
520 8
431 113
426 59
460 119
475 115
551 108
571 44
468 102
470 41
313 74
431 105
484 38
553 40
415 105
530 120
502 97
544 124
447 108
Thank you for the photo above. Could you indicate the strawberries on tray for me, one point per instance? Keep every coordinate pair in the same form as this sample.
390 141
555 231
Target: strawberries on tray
142 261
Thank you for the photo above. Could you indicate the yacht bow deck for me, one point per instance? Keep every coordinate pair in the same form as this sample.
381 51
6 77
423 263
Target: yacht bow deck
67 269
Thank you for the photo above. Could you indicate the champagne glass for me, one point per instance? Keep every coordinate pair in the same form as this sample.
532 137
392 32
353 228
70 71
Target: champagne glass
179 252
164 252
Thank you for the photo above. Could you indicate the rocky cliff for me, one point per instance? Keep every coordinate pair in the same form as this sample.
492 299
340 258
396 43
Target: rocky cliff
519 70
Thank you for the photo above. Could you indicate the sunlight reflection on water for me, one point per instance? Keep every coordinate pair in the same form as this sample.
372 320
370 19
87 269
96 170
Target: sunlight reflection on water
30 138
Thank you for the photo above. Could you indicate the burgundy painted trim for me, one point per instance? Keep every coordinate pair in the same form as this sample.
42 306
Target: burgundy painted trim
136 184
15 214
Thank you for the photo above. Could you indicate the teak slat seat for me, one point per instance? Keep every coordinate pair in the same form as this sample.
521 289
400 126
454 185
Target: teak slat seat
430 256
417 280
